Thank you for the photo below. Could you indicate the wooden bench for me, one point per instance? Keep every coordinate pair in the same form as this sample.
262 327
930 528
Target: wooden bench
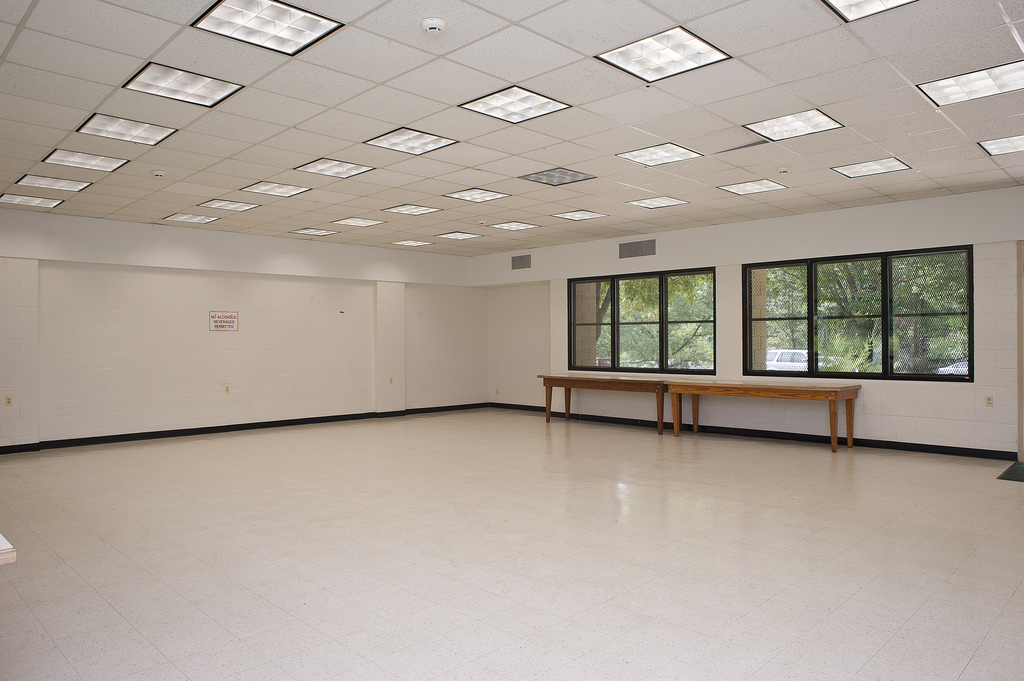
621 383
791 392
7 554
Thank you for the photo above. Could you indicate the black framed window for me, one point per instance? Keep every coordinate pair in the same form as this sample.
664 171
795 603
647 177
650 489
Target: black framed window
655 321
884 315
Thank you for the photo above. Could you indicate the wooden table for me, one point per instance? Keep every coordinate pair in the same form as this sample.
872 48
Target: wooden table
792 392
7 554
623 383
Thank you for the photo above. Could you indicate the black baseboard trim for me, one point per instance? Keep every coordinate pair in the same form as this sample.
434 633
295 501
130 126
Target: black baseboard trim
805 437
719 430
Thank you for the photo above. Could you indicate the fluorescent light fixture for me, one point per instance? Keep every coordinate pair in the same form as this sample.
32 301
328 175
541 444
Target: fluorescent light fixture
994 81
410 243
124 129
229 205
580 215
793 125
666 54
885 165
657 155
358 222
30 200
457 235
77 159
851 10
275 189
658 202
52 183
410 141
165 81
1006 145
515 105
184 217
410 209
557 176
476 195
328 166
311 231
514 226
753 187
267 23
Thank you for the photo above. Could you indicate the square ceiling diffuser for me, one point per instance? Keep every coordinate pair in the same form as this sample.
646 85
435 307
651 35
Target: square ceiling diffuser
328 166
124 129
185 217
515 105
37 201
164 81
793 125
557 176
885 165
312 231
514 226
580 215
358 222
411 209
667 54
267 23
274 189
52 183
410 141
977 84
657 202
410 243
658 155
476 195
77 159
458 235
229 205
1005 145
753 187
851 10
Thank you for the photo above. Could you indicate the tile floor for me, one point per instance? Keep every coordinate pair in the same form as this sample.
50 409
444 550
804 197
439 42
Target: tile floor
487 545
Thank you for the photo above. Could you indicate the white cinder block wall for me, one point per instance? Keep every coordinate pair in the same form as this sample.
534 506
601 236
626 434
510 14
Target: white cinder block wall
518 345
19 352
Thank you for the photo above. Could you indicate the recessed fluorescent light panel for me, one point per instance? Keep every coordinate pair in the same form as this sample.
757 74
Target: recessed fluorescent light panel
327 166
658 202
580 215
1006 145
310 231
124 129
657 155
885 165
53 183
514 105
851 10
514 226
229 205
994 81
476 195
410 141
275 189
410 209
457 235
184 217
77 159
358 222
557 176
273 25
753 187
37 201
793 125
410 243
165 81
663 55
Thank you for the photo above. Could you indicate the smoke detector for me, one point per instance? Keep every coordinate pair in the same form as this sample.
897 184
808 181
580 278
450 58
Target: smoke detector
433 25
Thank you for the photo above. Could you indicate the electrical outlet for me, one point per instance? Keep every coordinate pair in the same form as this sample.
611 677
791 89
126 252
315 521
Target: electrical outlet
227 388
989 401
9 401
497 391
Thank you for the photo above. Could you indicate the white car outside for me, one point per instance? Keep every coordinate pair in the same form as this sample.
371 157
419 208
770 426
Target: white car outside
786 360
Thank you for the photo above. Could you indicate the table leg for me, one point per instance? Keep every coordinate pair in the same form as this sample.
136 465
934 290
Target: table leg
695 407
676 416
568 399
833 422
659 396
547 404
849 423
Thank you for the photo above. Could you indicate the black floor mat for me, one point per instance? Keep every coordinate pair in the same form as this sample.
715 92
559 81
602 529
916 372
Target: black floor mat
1015 472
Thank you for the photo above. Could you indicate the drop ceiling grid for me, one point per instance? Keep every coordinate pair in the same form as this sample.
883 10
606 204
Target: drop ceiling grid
789 55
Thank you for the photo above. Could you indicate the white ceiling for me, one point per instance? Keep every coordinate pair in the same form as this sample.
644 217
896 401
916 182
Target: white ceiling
64 60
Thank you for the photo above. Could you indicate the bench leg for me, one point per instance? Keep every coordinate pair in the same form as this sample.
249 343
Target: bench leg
849 423
568 399
676 416
660 398
547 404
695 407
833 422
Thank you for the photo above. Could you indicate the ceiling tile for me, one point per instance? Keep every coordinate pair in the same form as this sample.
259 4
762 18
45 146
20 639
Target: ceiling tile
138 106
312 83
12 11
569 123
595 26
219 57
715 82
469 155
446 81
198 143
457 123
400 20
515 11
101 25
758 24
619 140
638 105
691 121
364 55
49 53
30 134
270 107
857 81
223 124
388 104
558 155
346 126
920 24
309 142
902 126
584 81
180 11
515 140
875 106
157 158
514 54
962 54
22 81
811 56
759 106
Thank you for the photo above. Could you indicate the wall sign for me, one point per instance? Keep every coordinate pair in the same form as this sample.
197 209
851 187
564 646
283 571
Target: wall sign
223 321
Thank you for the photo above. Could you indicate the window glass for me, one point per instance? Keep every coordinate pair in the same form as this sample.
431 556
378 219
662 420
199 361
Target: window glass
592 338
848 315
639 322
691 321
777 300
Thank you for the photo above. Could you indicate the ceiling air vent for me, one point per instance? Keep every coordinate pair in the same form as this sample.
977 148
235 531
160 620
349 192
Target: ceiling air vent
521 262
635 249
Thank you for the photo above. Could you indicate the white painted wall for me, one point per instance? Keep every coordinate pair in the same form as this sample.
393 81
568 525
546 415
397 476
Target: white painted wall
446 345
519 346
19 351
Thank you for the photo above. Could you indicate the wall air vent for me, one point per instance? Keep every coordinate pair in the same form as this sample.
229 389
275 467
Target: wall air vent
521 262
635 249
